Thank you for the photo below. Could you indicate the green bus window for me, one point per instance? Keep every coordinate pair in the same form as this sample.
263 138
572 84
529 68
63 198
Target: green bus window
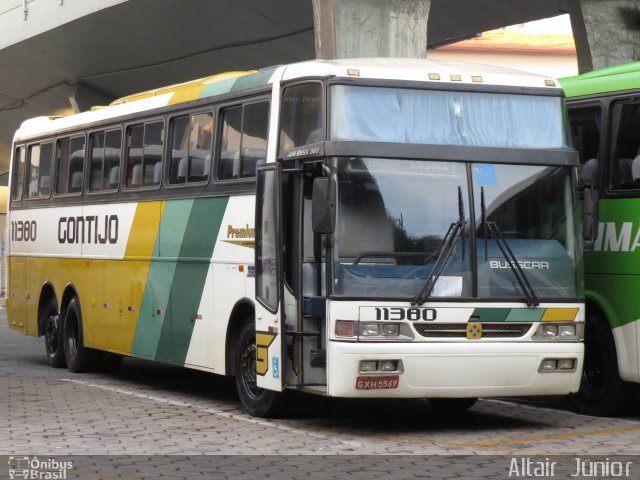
301 116
624 170
585 131
17 183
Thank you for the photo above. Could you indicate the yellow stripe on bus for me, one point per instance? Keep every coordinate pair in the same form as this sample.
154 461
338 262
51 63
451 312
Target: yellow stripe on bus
560 315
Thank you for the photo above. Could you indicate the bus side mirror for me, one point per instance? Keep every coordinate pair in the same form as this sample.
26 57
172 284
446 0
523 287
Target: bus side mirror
323 206
587 182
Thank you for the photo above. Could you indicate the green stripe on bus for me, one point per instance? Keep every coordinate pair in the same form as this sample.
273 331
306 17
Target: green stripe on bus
525 315
154 308
189 278
489 315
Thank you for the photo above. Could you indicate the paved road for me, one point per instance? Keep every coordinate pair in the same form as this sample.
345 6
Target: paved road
151 409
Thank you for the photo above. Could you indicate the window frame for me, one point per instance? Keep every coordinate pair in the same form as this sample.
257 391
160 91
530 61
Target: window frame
105 130
27 167
124 161
220 108
213 110
15 172
71 137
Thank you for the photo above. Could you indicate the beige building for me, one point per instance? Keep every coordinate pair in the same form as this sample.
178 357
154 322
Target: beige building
546 54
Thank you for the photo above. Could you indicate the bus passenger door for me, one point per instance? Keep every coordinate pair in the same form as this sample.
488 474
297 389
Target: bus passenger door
269 324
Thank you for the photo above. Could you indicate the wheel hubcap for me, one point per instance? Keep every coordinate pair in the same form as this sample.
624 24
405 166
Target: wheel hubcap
72 335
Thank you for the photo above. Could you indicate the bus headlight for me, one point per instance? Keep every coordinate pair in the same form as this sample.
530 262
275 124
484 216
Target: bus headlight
559 332
369 329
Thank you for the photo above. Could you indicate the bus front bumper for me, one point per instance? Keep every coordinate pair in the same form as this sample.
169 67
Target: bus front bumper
455 370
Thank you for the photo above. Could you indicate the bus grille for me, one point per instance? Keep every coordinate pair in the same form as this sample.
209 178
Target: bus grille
459 330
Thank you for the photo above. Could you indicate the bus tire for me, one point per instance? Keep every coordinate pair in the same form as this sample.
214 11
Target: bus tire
256 401
79 358
452 405
602 391
53 342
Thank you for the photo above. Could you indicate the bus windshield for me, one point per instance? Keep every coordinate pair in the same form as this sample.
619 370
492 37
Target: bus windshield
393 216
402 115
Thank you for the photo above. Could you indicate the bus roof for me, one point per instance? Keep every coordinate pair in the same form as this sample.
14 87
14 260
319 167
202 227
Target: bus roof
605 80
369 68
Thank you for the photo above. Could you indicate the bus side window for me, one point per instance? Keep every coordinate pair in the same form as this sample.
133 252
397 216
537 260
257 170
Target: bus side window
17 183
244 140
301 116
624 168
152 153
39 168
70 165
191 141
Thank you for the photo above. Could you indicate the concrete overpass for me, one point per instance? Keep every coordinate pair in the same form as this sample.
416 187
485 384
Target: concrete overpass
94 50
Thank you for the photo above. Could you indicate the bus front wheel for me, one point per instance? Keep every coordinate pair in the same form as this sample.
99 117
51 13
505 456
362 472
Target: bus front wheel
257 401
602 391
79 358
53 342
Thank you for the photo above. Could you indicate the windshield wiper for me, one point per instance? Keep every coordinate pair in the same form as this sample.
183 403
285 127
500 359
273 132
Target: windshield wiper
446 249
528 291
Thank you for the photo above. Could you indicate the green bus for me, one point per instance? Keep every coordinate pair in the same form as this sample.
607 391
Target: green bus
604 113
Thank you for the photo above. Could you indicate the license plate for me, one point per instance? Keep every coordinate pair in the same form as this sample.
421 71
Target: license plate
372 383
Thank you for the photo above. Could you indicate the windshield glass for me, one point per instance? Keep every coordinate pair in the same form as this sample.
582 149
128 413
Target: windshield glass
532 208
392 218
402 115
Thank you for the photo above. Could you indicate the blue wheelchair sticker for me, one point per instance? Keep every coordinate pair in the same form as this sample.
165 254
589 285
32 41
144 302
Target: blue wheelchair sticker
276 367
484 175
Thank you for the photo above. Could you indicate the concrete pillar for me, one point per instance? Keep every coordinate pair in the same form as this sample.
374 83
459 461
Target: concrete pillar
370 28
84 97
606 32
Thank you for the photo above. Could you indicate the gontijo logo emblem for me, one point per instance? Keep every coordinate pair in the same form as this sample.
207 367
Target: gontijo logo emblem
474 331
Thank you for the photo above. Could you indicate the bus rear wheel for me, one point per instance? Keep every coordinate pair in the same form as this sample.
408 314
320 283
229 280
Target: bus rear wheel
79 358
257 401
53 342
602 391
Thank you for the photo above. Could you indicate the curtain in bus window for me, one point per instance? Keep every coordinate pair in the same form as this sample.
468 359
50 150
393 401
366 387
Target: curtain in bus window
112 154
134 156
44 176
96 162
446 118
152 161
34 169
18 176
76 165
200 142
62 159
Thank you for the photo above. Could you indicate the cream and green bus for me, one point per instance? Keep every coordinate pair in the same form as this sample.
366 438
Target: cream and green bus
351 228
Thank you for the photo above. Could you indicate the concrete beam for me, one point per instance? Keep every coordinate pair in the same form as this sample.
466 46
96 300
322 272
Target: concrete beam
606 32
371 28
